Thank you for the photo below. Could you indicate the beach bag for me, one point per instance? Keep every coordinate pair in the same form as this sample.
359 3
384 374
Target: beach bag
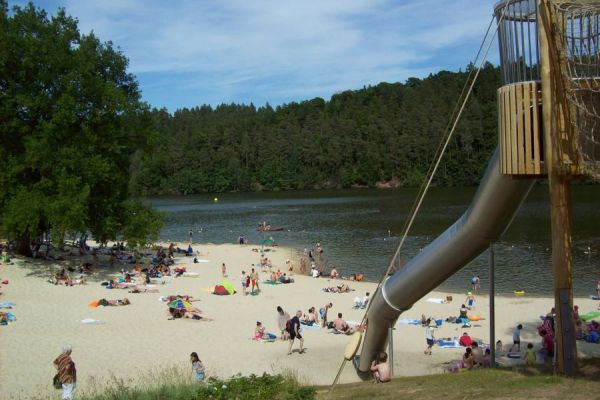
288 325
56 382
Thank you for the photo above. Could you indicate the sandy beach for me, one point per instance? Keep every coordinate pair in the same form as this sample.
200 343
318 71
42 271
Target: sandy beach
135 341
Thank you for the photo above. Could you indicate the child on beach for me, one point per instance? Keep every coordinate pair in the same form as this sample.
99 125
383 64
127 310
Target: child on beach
530 355
243 282
380 369
517 338
224 270
428 337
197 367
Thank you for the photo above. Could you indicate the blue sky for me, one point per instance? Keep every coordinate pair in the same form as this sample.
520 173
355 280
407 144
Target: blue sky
187 53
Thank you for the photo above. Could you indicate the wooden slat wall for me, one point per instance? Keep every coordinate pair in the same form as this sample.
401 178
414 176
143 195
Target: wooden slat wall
520 130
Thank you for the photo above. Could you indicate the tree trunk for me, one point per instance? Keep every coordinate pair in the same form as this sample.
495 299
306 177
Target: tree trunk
23 245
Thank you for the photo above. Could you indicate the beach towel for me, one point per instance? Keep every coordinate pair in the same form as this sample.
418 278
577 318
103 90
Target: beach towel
93 303
313 327
409 321
202 261
448 344
435 300
7 305
190 274
271 283
589 316
91 321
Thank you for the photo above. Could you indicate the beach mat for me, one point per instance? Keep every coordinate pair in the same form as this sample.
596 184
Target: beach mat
271 283
589 316
409 321
436 300
91 321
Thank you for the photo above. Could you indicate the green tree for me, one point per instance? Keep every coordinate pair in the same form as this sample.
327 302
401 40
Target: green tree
72 120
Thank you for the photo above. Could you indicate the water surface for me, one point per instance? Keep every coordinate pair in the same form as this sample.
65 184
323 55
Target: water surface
360 230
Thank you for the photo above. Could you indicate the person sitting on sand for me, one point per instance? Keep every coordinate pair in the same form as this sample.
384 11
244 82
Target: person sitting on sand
467 359
311 318
314 272
361 303
273 277
477 354
465 340
463 313
334 274
380 368
260 334
340 325
285 279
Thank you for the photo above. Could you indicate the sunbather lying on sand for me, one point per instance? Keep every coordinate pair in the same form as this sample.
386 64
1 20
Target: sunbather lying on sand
118 302
343 288
143 290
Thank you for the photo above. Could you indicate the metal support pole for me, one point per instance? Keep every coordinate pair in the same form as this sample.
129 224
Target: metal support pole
391 347
492 309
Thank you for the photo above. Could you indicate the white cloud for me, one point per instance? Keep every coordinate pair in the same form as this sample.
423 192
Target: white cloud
332 45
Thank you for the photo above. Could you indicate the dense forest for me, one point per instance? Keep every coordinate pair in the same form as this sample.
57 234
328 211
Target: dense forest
382 134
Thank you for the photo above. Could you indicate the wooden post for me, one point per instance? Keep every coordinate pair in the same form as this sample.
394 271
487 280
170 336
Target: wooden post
555 131
492 312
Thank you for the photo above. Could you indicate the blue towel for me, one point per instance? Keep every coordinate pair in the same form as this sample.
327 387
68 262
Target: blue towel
7 305
409 321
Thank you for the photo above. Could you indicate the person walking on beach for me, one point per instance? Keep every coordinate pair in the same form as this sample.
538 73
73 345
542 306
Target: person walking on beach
470 300
282 318
475 283
224 270
294 331
254 281
197 367
428 337
67 374
516 339
243 282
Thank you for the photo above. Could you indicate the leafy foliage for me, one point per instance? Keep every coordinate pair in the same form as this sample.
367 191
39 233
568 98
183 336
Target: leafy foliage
72 120
357 138
264 387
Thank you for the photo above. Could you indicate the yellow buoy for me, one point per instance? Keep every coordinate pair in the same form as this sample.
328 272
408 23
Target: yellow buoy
519 292
216 199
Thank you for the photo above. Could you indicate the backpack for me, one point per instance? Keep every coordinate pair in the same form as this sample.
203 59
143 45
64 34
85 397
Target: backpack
288 325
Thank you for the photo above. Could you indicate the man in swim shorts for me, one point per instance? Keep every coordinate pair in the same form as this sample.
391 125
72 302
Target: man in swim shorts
294 331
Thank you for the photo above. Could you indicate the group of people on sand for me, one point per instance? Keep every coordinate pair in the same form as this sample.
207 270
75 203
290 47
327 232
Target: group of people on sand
179 306
250 282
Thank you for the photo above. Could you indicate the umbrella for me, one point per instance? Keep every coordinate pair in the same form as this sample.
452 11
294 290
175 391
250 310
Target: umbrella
180 304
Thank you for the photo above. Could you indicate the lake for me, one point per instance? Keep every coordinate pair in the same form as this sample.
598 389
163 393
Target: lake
360 229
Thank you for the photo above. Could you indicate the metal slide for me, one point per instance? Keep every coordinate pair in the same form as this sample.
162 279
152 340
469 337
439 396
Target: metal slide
489 215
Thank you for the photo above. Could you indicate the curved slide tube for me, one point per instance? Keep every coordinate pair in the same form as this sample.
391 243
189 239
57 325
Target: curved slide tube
489 215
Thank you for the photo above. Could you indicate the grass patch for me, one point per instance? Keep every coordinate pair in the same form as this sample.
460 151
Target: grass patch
517 383
265 387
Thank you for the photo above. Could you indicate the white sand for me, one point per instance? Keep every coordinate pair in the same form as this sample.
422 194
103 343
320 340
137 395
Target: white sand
137 339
